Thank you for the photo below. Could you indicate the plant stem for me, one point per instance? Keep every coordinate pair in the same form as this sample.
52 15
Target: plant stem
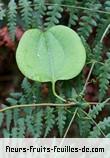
51 104
105 33
54 92
70 123
88 77
73 6
93 122
35 105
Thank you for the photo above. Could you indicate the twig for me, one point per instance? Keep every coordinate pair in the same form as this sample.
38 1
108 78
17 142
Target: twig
36 105
70 123
52 104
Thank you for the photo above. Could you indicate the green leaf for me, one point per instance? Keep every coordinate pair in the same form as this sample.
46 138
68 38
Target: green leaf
56 54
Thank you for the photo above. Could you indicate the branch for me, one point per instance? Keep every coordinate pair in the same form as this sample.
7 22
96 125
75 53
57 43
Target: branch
37 105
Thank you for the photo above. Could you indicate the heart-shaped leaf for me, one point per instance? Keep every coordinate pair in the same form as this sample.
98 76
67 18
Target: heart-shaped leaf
56 54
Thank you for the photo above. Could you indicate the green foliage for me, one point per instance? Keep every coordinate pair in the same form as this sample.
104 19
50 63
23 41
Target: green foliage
97 52
29 124
2 13
61 120
38 123
26 13
12 14
38 13
104 78
54 14
94 112
84 125
21 128
8 118
73 19
89 20
49 120
107 5
101 126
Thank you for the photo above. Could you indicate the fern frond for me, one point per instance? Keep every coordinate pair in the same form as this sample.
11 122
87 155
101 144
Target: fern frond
29 125
54 14
84 124
49 120
61 120
6 133
2 13
97 51
104 78
27 89
15 95
101 125
84 127
8 114
12 18
94 112
14 132
12 101
39 12
36 92
26 13
88 50
38 124
107 5
73 17
21 128
26 86
16 114
103 23
88 21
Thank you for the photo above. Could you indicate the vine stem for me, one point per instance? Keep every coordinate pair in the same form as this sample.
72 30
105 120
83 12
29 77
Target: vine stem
37 105
52 104
72 6
93 122
70 123
104 34
88 77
